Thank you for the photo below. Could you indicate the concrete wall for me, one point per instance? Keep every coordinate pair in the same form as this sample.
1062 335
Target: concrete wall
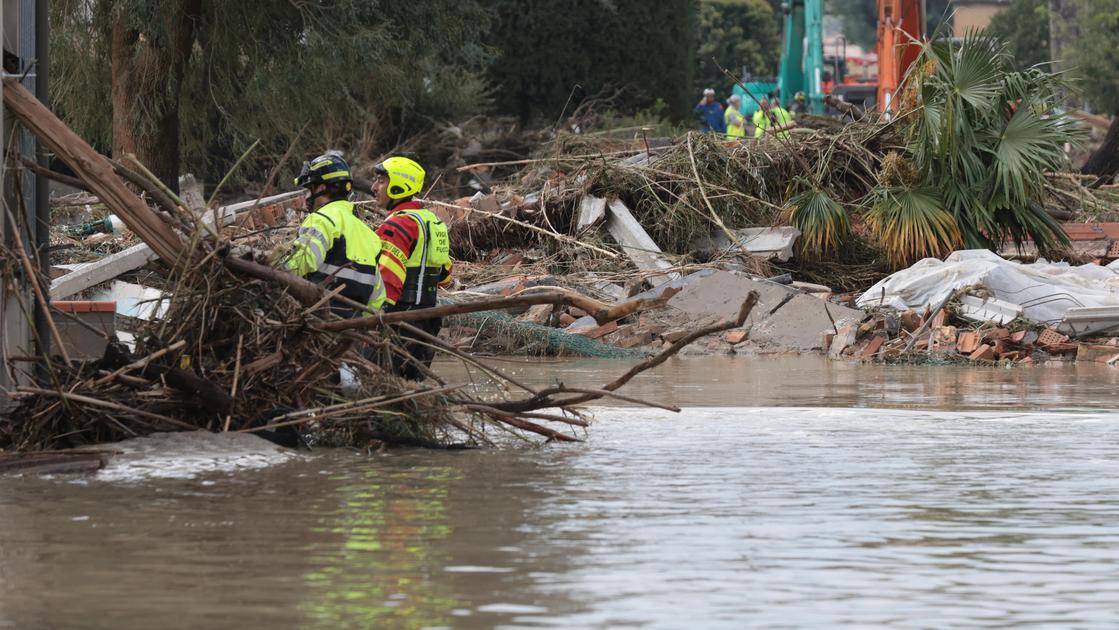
974 16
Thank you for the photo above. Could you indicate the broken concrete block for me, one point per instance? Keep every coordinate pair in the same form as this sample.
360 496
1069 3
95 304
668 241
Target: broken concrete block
983 353
944 336
584 323
736 337
537 314
591 210
967 342
634 340
637 244
988 309
1095 353
844 338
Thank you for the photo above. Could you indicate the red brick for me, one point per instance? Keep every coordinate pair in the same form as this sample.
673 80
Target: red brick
910 320
601 331
967 342
1018 337
983 353
871 348
940 319
998 333
566 319
84 306
736 337
944 336
674 335
1051 337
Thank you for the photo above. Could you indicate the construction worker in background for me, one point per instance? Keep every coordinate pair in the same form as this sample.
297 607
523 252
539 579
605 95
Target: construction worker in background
333 247
800 104
416 254
735 121
772 117
710 113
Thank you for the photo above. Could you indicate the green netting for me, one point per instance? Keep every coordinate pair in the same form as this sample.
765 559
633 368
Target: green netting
539 338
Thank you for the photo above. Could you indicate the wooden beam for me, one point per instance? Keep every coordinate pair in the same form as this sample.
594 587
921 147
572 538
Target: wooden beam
93 169
89 274
637 243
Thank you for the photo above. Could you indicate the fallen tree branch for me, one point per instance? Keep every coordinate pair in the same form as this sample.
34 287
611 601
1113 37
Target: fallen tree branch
544 401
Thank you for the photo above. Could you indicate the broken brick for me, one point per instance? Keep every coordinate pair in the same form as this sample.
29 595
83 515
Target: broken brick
871 348
674 335
1050 337
910 320
944 336
940 319
735 337
566 319
967 342
983 353
599 331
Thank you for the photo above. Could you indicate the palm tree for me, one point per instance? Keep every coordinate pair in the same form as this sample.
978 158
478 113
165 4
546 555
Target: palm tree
982 137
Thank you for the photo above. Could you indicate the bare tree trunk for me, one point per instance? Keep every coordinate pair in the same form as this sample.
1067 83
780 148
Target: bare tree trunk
1105 161
148 65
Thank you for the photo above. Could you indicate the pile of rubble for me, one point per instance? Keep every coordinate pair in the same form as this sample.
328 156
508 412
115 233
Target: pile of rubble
943 337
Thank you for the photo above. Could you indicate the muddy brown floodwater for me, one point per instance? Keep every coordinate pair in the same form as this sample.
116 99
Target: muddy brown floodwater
790 492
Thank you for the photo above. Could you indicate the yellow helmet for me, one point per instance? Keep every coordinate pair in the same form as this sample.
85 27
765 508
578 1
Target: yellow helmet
406 176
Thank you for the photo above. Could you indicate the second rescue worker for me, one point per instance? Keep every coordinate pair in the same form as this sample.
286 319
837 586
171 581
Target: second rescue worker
416 249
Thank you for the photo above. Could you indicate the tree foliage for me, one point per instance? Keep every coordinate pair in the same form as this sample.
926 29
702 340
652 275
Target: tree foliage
551 55
741 35
1024 27
1095 52
351 73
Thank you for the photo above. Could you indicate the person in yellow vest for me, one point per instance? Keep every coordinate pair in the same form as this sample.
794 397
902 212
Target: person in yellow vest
772 116
333 247
736 122
416 254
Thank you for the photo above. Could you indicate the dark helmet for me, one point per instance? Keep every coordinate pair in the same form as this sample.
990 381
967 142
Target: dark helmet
329 169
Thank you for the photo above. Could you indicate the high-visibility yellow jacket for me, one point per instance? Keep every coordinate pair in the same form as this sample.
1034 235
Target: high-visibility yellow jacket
736 123
776 117
416 256
335 248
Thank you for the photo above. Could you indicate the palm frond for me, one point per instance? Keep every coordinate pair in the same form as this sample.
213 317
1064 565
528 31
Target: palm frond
912 224
822 221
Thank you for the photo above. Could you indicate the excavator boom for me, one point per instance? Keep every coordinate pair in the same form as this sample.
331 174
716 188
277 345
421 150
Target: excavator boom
901 27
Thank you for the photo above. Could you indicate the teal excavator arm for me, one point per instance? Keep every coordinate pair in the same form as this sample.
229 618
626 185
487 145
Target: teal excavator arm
802 57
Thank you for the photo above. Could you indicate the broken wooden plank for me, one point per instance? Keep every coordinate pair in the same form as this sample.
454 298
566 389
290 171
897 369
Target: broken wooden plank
637 244
137 256
591 210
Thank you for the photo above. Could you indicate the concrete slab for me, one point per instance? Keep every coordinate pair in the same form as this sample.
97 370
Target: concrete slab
783 317
765 242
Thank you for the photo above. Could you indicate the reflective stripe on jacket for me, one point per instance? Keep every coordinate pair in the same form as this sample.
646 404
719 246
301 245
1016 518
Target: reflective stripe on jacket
335 248
416 256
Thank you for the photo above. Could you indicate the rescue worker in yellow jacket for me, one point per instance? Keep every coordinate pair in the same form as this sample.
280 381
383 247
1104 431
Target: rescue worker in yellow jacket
333 247
772 116
736 122
416 254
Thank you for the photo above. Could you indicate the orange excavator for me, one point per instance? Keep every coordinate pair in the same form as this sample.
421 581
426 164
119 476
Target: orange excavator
901 28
